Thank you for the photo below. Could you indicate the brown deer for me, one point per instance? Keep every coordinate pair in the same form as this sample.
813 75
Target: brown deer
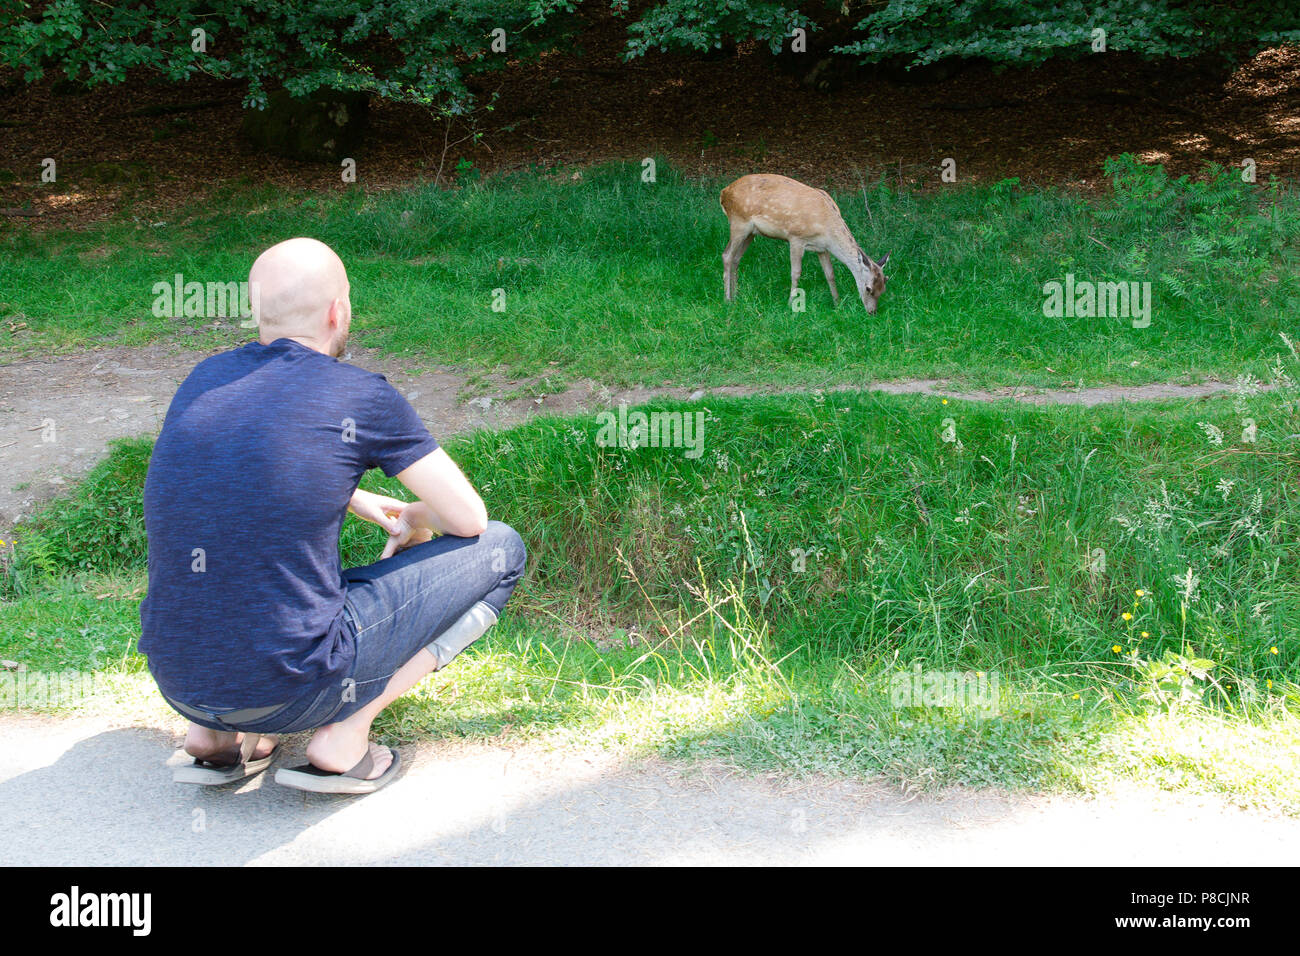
808 219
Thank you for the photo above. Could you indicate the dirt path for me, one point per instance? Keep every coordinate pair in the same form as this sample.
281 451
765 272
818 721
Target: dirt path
57 415
89 792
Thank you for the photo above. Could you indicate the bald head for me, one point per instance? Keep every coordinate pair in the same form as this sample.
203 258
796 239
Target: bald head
300 291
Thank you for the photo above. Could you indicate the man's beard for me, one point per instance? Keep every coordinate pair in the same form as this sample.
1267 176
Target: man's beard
341 345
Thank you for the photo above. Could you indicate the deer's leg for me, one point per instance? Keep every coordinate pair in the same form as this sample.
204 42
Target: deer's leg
740 239
829 269
796 264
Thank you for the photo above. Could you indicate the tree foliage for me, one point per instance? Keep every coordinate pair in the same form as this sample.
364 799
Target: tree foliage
1026 32
420 51
425 51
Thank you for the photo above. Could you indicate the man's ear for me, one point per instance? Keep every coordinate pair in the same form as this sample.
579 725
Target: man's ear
338 313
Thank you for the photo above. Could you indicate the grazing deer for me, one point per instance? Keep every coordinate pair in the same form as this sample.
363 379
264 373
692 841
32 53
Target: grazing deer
808 219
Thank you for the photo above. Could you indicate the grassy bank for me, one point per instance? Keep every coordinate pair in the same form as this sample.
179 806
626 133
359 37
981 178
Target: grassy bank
770 599
612 278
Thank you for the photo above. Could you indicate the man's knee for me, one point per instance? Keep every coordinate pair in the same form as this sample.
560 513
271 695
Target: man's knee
507 548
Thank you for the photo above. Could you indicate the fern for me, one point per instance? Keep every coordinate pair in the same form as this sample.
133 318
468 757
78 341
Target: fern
1175 284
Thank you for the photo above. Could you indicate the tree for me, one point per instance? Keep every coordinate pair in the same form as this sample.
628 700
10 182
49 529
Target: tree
425 51
419 51
1012 32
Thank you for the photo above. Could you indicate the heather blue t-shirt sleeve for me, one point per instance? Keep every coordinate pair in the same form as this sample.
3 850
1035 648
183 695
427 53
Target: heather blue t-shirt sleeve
396 437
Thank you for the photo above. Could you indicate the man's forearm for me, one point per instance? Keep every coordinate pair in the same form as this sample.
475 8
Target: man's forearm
365 503
419 514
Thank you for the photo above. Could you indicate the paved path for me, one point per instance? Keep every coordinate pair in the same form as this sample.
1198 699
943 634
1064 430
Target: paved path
83 791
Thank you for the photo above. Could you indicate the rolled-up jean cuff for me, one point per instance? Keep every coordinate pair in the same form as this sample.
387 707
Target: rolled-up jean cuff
308 712
231 719
472 625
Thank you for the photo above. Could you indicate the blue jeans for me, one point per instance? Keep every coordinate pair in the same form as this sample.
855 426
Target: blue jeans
394 608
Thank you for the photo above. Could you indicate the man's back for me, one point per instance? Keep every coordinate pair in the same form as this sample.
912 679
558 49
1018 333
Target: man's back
248 486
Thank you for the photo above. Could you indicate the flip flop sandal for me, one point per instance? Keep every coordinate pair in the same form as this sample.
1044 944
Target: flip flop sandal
234 764
309 777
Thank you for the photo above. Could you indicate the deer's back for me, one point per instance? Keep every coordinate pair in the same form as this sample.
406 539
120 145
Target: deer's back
767 198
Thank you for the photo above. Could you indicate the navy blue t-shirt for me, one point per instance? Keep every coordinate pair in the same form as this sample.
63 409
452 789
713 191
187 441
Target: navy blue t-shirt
247 489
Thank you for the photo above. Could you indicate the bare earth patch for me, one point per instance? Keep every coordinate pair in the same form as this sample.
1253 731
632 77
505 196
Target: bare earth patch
57 415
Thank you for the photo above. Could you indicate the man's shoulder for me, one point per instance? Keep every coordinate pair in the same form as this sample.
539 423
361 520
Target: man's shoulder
359 374
250 355
216 368
238 357
360 383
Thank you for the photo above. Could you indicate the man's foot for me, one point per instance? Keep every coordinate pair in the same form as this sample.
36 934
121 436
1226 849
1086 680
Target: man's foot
337 748
204 744
219 757
357 780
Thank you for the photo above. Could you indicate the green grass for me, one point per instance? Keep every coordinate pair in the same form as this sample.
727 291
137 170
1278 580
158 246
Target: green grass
614 279
663 608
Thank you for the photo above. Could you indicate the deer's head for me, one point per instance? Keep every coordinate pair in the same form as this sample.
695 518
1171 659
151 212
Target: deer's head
871 280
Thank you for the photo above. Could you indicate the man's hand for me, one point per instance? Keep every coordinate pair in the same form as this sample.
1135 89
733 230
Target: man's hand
413 527
377 509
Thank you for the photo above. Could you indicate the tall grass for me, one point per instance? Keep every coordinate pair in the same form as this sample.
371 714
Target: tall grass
858 533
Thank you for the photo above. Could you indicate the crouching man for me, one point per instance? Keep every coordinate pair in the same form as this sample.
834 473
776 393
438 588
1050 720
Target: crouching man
251 625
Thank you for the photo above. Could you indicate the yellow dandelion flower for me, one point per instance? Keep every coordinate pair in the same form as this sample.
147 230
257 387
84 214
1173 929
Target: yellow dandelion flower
1117 648
945 401
1074 697
1270 684
1127 616
1145 634
1272 650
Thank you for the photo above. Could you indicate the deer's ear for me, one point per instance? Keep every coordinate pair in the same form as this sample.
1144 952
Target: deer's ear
882 262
